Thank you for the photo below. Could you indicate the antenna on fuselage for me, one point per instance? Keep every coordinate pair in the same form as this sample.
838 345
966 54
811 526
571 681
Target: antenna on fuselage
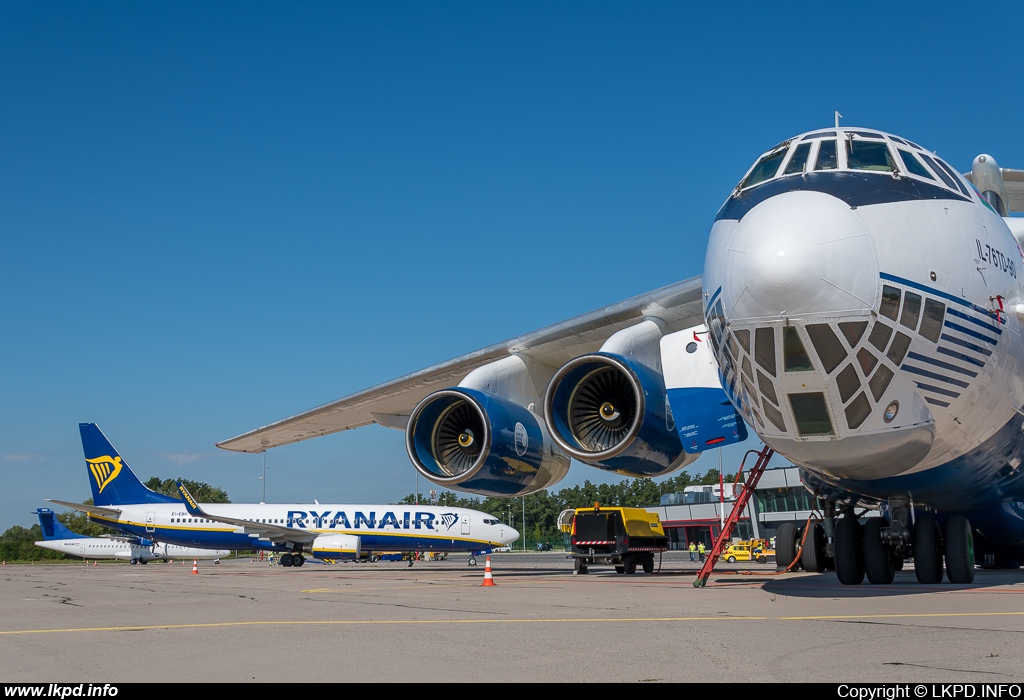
838 117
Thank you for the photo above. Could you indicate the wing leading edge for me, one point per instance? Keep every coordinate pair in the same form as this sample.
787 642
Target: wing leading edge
389 404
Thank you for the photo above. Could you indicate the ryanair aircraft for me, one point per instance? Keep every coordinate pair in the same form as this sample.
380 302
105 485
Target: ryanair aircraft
326 531
860 311
135 550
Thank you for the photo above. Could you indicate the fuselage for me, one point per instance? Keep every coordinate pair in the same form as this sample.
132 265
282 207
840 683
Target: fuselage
379 527
860 295
102 548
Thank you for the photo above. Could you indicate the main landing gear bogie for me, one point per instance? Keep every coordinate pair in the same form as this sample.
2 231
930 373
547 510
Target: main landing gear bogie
289 559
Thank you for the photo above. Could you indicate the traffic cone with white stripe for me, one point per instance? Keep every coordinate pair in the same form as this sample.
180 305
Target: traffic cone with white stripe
195 566
488 578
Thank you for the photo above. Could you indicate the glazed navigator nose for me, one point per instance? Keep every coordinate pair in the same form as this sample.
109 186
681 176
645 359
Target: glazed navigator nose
797 255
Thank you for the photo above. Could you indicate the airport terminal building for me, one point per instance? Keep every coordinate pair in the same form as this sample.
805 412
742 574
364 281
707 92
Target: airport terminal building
697 515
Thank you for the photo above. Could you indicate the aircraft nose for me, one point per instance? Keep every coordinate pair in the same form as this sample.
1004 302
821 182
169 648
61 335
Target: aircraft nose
799 254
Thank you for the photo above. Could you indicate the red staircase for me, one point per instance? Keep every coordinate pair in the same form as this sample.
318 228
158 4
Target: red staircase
730 523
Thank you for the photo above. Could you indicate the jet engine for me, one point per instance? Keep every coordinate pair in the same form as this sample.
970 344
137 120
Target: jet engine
476 441
336 546
612 412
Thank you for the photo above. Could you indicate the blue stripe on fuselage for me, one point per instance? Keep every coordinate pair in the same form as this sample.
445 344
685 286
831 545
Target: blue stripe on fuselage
857 189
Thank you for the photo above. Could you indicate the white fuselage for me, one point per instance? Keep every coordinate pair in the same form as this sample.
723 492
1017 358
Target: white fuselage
103 548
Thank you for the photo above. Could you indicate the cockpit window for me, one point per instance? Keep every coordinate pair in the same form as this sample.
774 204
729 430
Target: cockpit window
952 173
765 168
799 160
869 155
940 172
866 134
914 166
818 135
827 156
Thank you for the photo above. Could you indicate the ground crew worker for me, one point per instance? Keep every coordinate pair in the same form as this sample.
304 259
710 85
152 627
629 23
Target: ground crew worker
693 552
700 551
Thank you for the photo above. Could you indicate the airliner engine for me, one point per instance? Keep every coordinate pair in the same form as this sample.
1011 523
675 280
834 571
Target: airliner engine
476 441
612 412
337 546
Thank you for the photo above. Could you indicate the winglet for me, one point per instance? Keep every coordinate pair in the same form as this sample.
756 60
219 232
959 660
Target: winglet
190 503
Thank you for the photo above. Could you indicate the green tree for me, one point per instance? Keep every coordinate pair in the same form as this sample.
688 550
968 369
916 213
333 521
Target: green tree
200 490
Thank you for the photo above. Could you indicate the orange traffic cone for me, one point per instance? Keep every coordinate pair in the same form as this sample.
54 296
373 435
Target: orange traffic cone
488 578
195 566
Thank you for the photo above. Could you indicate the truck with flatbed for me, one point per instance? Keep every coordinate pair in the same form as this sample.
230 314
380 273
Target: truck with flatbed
621 537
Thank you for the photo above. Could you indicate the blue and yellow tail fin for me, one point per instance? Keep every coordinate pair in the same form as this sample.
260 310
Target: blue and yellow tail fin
112 480
54 529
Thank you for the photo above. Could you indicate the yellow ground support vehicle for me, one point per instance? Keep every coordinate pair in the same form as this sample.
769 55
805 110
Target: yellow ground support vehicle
622 537
744 550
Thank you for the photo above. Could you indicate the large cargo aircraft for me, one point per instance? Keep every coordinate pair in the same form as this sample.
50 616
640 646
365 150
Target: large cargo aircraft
862 302
324 530
135 550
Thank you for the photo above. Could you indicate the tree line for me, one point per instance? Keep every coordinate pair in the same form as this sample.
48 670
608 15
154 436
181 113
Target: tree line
541 509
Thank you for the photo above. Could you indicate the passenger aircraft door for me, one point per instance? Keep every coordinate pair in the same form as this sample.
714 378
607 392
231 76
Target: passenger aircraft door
465 523
150 521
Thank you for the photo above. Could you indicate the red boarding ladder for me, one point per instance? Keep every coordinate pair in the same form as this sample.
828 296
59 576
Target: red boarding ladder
730 523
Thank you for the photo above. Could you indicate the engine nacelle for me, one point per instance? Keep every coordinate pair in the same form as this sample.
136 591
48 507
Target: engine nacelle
474 441
612 412
336 546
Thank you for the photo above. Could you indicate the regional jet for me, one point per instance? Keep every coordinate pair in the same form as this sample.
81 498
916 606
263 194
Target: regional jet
135 550
326 531
860 311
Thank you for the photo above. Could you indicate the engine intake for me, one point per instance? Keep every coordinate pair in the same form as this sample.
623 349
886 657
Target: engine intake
478 442
612 412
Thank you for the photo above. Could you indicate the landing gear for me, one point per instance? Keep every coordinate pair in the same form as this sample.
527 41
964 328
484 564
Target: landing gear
472 561
879 559
812 556
849 553
927 550
287 559
959 550
298 560
786 543
143 561
134 561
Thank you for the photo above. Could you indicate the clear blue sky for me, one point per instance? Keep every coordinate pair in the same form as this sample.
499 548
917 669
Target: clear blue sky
216 215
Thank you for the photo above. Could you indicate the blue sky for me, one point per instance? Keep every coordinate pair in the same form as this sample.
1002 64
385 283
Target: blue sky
216 215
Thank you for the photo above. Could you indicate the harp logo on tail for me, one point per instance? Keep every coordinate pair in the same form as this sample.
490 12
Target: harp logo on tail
104 470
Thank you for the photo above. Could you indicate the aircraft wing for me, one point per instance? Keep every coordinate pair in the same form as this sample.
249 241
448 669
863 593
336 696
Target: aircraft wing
265 531
389 404
90 509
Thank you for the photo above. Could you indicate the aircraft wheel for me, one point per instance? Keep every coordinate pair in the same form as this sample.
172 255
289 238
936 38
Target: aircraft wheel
287 560
143 561
927 550
648 564
786 538
630 564
374 558
134 562
849 551
812 556
878 555
299 560
472 561
959 550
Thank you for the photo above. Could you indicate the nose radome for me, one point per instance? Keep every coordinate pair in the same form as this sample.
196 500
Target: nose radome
799 254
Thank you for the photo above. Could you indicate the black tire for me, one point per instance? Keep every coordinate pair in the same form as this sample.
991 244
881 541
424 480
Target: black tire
927 550
579 566
620 569
374 558
134 562
630 564
849 551
472 561
143 561
959 545
879 558
648 564
287 560
761 559
299 560
812 556
731 559
786 539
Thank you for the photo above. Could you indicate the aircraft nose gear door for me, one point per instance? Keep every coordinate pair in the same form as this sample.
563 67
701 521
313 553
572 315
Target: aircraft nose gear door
465 524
